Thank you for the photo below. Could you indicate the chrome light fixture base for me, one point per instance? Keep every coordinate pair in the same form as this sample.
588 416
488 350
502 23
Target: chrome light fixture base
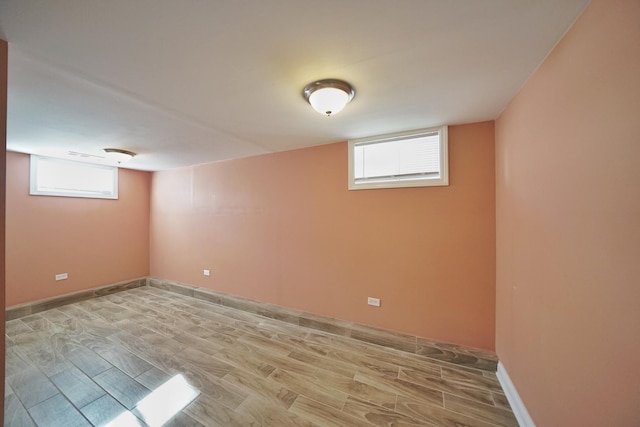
118 154
328 96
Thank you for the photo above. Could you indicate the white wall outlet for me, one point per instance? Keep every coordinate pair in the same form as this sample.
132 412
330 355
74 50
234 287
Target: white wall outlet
63 276
373 301
207 273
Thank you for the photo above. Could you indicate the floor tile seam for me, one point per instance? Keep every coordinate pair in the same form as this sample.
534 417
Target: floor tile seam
82 370
459 349
469 371
336 347
123 404
370 340
319 369
458 387
142 338
467 385
118 362
170 305
89 403
245 414
20 333
406 395
470 415
307 346
206 396
452 371
377 390
382 409
209 370
341 409
118 402
142 373
54 396
36 367
255 394
489 407
240 366
50 377
450 364
208 341
163 322
51 328
256 422
330 359
319 372
122 372
440 369
395 404
154 365
140 355
68 401
193 414
20 400
217 337
364 358
188 365
18 353
420 417
26 411
150 312
313 420
248 342
493 399
216 379
296 374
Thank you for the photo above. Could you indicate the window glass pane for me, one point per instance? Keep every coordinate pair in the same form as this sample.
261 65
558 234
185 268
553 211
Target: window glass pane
419 155
54 177
409 159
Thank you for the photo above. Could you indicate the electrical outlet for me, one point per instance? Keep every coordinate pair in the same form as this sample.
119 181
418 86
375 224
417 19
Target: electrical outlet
63 276
373 301
207 273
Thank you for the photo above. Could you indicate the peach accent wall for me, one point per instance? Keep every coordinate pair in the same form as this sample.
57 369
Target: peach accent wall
96 241
283 228
4 50
568 226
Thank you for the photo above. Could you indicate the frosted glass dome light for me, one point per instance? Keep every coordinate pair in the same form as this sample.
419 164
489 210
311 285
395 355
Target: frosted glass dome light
328 96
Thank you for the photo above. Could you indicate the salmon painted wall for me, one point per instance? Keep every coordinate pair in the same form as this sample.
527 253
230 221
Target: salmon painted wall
96 241
568 226
283 228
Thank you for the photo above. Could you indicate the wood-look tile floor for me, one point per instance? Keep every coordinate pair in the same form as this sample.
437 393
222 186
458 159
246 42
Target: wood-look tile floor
94 362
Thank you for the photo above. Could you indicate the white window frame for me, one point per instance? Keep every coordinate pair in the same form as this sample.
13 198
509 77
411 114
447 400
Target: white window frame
35 189
441 180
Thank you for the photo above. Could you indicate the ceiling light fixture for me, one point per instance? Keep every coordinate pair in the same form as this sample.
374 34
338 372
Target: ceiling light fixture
119 155
328 96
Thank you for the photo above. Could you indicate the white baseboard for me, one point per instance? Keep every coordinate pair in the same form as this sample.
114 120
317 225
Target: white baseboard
517 405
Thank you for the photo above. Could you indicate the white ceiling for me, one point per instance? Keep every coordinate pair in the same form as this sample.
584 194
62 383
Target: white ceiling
194 81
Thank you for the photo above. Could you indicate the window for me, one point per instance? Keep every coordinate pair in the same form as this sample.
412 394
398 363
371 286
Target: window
408 159
55 177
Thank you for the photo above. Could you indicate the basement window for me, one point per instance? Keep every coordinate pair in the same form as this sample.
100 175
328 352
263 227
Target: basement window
65 178
409 159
